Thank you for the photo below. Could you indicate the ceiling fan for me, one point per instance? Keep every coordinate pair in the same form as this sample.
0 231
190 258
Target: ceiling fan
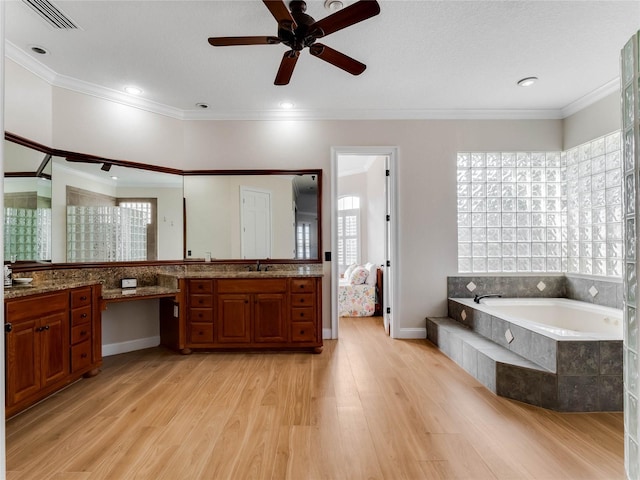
297 30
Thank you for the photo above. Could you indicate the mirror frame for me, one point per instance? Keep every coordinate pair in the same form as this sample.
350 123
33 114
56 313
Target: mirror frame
88 158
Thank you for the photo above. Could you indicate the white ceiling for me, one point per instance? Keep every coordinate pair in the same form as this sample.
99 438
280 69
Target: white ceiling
425 59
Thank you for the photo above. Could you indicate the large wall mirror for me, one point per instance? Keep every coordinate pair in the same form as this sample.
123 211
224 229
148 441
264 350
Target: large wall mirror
65 207
237 216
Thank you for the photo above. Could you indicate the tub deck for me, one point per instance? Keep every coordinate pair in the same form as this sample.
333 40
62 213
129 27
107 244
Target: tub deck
571 373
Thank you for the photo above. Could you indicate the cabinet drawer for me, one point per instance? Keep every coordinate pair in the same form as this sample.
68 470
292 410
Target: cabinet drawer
81 315
302 300
80 297
80 356
201 333
200 286
36 307
303 314
201 315
269 285
80 333
205 301
303 285
303 332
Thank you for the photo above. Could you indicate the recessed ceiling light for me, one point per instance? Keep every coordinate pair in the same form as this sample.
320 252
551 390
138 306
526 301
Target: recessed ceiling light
527 82
333 5
39 50
286 105
133 90
113 177
202 105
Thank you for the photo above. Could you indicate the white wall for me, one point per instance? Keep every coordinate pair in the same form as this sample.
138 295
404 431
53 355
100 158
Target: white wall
128 326
426 169
376 211
28 105
599 119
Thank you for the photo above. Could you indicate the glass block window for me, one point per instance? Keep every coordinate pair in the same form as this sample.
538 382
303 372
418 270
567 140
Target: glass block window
511 212
542 211
594 207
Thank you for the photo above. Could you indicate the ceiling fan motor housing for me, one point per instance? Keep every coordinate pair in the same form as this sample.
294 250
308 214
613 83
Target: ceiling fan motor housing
300 37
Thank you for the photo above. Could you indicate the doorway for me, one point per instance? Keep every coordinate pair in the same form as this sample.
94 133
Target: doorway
364 223
255 220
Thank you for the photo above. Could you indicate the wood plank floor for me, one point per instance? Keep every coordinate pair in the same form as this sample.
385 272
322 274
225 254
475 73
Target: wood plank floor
368 407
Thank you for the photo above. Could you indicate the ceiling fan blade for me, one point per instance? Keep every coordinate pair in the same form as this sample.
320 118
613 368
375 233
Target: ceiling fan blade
336 58
286 67
281 13
229 41
346 17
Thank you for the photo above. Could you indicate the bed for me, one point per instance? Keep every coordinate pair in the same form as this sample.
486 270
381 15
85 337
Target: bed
361 299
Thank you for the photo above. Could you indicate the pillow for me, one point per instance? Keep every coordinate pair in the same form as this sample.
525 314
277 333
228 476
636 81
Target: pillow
372 270
350 268
358 276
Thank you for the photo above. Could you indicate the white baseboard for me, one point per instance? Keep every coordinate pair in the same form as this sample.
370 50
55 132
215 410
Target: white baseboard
130 346
413 333
326 334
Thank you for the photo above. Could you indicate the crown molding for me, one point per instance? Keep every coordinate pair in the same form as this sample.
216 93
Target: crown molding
592 97
37 68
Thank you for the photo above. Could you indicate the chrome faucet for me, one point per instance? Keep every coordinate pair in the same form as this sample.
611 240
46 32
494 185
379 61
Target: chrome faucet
258 266
477 298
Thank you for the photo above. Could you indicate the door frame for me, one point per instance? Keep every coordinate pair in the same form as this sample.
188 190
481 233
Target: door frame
391 302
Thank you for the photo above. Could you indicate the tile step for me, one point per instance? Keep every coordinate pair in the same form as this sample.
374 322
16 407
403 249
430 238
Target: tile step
499 369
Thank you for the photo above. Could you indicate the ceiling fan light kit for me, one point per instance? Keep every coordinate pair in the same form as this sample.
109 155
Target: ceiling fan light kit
298 31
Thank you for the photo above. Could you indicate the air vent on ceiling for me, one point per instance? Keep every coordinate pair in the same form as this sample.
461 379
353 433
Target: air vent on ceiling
51 14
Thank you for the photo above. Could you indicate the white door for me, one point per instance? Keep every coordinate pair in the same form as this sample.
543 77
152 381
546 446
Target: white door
255 226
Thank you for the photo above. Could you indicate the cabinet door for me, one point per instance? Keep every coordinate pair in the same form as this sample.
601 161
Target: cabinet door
270 318
54 343
233 323
23 361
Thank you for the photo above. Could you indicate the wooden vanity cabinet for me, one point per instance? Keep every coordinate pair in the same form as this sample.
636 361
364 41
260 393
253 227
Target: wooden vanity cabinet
49 343
253 313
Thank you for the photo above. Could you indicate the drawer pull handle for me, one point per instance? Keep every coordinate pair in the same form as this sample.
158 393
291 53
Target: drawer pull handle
83 298
302 300
83 333
301 315
301 286
84 315
301 332
84 355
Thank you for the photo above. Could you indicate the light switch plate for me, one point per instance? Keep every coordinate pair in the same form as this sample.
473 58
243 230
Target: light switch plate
129 283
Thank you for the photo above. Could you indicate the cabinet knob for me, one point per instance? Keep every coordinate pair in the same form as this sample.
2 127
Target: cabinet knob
301 332
83 333
84 355
302 300
83 298
84 315
301 315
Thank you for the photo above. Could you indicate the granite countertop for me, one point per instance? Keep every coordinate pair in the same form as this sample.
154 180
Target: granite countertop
138 293
17 291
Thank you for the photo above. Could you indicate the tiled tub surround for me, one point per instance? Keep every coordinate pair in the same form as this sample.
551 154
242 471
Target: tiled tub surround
605 292
576 374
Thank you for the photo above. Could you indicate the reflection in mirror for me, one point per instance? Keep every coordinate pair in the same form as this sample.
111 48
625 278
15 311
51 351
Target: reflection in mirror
103 212
27 204
271 216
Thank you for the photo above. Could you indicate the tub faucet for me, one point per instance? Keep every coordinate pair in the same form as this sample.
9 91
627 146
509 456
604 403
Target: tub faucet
477 298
